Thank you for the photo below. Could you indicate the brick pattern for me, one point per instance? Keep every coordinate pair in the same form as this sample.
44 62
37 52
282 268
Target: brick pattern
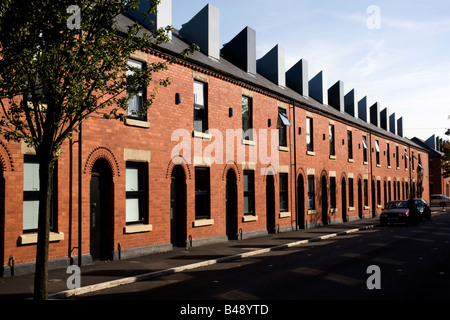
107 139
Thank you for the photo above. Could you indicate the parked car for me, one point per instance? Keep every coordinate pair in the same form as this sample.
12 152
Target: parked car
423 208
397 212
439 200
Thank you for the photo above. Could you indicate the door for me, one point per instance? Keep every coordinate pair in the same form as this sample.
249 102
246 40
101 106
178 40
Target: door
95 244
178 207
270 203
101 211
231 205
360 199
344 200
324 201
301 202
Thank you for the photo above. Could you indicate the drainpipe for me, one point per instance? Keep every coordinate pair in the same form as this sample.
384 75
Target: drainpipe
79 197
295 169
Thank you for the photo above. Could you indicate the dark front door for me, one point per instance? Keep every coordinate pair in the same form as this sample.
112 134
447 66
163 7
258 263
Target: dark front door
300 202
231 205
270 203
95 216
344 200
101 212
360 199
178 207
324 201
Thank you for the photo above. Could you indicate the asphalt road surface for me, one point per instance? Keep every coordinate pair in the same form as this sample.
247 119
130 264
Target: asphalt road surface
385 263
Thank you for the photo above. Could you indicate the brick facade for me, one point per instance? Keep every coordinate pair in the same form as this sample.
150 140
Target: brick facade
107 146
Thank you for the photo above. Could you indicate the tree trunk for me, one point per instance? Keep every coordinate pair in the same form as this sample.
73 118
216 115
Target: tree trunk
45 179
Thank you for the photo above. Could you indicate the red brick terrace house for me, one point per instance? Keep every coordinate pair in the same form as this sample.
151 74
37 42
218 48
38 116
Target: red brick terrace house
184 175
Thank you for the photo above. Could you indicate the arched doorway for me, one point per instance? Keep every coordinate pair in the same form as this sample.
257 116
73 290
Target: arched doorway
270 203
101 211
324 200
344 199
178 207
301 201
231 205
360 199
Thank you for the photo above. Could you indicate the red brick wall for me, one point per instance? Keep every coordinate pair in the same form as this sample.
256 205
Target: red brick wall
108 138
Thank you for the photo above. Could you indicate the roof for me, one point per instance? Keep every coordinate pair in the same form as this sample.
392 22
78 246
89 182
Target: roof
224 67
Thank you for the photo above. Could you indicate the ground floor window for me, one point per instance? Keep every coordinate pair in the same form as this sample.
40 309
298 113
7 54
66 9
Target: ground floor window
136 192
284 207
249 192
202 193
311 193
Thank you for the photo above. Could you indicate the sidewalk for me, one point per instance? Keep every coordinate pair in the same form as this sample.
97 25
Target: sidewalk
105 274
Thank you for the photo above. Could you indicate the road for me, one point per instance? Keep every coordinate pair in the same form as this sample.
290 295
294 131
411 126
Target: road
413 263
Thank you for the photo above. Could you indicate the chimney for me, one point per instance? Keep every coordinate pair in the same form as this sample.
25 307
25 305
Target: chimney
362 109
384 119
204 30
241 50
159 19
317 88
375 114
400 126
351 103
392 123
336 96
431 142
297 77
272 66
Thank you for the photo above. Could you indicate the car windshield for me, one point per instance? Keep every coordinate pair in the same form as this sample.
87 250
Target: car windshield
396 205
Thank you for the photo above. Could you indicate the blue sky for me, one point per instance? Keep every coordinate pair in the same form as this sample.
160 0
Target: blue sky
399 58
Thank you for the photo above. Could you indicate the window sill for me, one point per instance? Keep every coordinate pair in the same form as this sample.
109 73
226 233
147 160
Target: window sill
282 148
137 228
332 157
351 208
137 123
351 160
310 153
202 135
366 208
365 162
248 218
333 210
32 238
203 223
378 166
285 215
312 211
248 142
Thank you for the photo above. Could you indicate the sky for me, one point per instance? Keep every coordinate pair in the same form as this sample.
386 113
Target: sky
396 52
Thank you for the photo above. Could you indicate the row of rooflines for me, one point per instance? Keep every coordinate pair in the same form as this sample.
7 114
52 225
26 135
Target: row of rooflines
237 60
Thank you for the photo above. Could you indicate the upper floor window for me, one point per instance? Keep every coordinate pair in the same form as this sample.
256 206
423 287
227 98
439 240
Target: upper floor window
135 94
247 118
377 147
350 144
200 107
332 142
309 134
364 140
283 123
388 154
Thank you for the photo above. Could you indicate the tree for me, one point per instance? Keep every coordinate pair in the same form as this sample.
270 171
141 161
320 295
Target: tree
445 160
61 61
